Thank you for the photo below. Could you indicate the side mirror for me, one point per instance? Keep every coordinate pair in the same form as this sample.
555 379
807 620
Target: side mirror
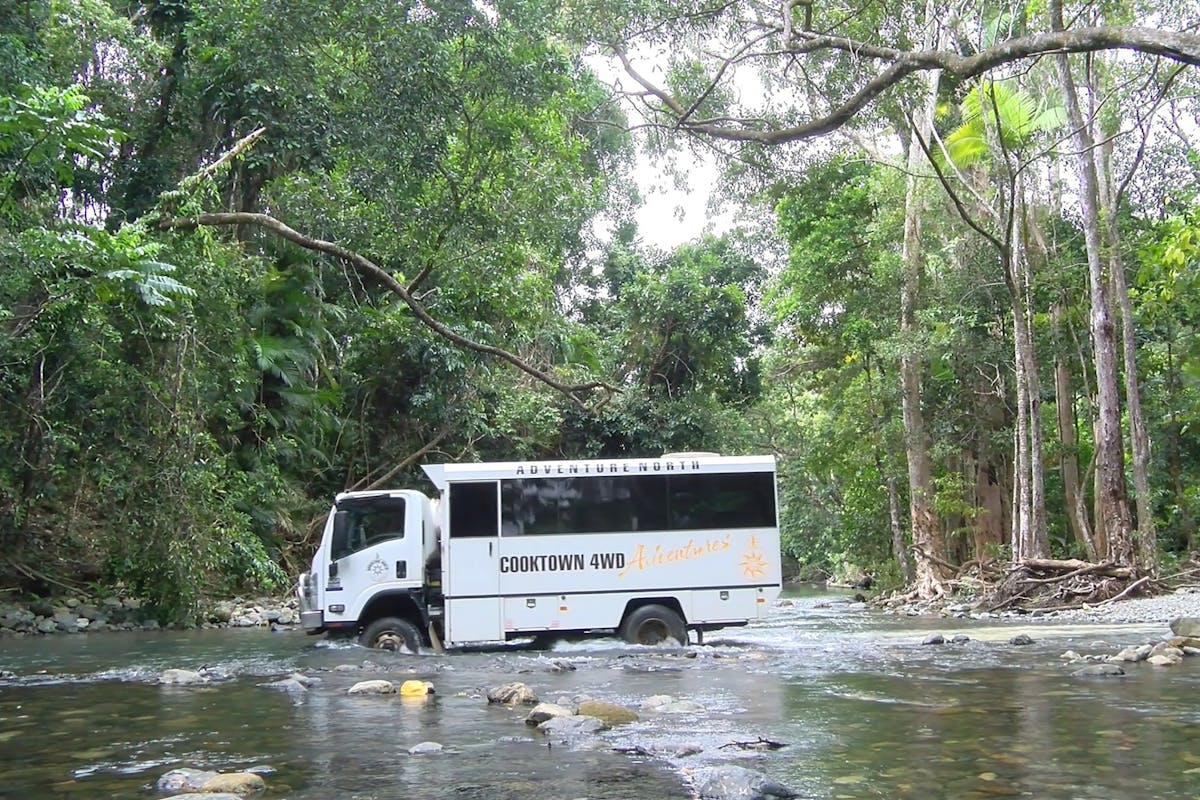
339 543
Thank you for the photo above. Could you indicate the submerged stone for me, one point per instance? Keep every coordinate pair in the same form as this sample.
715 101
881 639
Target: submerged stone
1099 671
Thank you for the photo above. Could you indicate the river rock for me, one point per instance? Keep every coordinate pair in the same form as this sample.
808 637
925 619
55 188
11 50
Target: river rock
1099 671
608 713
960 638
1164 660
372 687
1184 642
221 612
290 685
204 796
1130 654
425 749
181 677
544 711
1166 649
512 694
240 784
184 779
571 727
1186 626
737 783
1021 639
934 638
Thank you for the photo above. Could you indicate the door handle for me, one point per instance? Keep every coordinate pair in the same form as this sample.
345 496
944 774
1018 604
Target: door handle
401 569
489 548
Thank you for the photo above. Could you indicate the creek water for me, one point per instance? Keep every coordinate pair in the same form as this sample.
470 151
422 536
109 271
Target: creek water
862 708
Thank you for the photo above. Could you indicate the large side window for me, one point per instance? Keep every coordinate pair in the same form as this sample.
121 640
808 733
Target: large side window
474 509
706 502
637 503
371 521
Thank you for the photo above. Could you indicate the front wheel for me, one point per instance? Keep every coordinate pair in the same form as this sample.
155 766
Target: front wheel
391 633
653 624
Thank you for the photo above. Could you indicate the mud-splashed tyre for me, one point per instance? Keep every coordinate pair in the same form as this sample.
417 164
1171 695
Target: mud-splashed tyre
653 624
391 633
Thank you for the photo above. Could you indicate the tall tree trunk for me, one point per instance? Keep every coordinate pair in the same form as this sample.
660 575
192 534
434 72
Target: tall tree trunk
1068 459
927 541
1110 470
1038 543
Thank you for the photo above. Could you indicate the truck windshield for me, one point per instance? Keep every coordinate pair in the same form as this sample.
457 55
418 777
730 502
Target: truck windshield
371 521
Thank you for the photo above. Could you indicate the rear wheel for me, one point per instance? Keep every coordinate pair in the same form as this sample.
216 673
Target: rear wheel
391 633
653 624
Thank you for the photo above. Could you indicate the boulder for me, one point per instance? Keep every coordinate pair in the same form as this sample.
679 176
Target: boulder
737 783
1186 626
544 711
286 685
1165 660
609 713
425 749
1130 654
512 694
934 638
241 784
1021 639
372 687
1184 642
571 727
681 707
184 780
654 702
181 677
1166 649
960 638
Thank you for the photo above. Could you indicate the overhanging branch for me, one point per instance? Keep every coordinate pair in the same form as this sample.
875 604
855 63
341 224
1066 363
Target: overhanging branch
370 269
1181 47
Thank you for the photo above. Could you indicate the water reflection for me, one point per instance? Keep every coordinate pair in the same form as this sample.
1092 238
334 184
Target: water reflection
864 709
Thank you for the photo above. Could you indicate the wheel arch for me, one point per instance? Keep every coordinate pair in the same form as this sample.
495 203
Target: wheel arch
669 601
394 604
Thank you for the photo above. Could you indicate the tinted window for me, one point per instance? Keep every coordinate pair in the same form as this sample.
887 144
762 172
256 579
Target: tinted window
624 504
739 500
474 509
371 521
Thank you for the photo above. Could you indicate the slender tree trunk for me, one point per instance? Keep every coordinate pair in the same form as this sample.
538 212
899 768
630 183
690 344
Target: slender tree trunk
1068 459
1110 470
1038 544
927 541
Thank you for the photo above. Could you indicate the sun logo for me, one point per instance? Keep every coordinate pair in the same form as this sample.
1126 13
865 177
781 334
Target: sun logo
753 564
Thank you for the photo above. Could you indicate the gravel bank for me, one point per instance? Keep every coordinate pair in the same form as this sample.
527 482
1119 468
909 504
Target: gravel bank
1184 602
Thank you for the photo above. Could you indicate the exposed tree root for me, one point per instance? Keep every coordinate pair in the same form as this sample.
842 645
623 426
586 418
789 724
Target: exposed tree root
1045 585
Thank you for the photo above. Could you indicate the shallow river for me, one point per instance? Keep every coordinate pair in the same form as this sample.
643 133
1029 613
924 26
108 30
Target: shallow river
863 709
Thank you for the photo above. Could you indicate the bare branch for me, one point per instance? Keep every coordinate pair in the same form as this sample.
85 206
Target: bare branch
372 270
1182 47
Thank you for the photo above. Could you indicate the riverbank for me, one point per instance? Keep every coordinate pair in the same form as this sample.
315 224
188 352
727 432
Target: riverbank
1183 601
69 615
76 614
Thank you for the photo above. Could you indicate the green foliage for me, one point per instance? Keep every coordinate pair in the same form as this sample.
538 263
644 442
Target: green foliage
999 111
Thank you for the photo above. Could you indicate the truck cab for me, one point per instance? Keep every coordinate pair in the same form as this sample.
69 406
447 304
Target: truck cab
378 561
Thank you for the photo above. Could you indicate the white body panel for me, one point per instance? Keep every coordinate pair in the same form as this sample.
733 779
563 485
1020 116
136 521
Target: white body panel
496 587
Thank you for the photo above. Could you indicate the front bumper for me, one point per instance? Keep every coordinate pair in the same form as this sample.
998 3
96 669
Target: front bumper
312 619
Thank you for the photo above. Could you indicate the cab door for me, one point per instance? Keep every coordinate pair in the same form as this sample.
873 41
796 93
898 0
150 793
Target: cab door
471 573
377 552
